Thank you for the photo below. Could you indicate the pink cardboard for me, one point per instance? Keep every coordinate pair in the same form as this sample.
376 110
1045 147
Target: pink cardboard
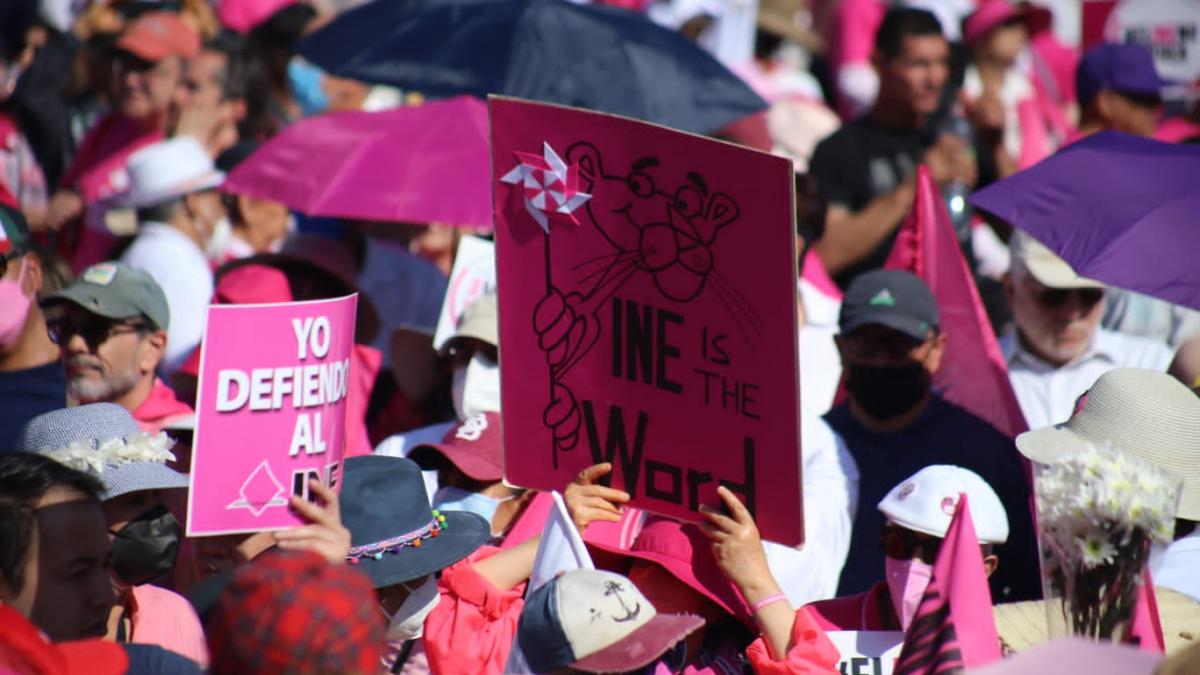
647 292
271 411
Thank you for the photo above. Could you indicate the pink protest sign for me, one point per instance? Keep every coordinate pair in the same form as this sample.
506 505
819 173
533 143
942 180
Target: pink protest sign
271 411
647 290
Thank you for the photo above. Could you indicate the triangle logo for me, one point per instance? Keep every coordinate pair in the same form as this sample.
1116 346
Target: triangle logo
883 298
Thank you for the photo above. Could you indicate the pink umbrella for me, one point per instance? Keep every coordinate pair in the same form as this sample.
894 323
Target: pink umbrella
244 15
417 164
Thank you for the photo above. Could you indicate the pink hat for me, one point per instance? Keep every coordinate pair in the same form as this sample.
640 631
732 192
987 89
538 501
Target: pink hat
244 15
473 445
253 284
683 551
988 15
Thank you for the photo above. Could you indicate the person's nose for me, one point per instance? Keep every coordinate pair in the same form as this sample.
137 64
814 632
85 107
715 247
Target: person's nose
75 345
102 592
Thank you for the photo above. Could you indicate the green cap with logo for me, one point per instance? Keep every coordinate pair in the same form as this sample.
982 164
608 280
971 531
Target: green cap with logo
892 298
117 291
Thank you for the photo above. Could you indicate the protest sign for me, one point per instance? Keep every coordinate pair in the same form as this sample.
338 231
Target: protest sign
867 652
647 282
1170 29
271 411
473 275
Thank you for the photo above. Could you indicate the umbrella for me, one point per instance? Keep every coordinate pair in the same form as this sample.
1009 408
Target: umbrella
419 164
1119 209
589 56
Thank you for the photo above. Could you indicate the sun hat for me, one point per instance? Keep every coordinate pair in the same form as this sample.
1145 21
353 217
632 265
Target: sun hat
394 536
893 298
1049 269
598 622
295 612
988 15
1145 413
104 440
474 445
925 501
167 170
683 551
117 291
478 322
154 36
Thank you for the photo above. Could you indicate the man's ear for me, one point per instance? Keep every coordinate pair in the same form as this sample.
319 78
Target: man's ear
33 275
990 563
154 347
1105 104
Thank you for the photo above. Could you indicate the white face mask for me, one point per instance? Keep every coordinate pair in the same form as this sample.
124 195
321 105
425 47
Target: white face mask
476 388
408 623
220 241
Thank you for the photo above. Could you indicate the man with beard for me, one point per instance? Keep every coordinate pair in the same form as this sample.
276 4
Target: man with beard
111 328
895 425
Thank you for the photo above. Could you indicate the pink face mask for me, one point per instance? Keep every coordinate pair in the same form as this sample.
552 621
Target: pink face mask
906 580
14 307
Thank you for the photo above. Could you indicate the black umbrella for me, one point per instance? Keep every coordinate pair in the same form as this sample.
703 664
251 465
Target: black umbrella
590 56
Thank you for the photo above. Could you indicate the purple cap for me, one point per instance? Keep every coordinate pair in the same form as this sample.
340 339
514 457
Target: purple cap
1123 68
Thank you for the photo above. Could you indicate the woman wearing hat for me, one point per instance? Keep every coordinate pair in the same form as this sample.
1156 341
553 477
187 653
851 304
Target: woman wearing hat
731 588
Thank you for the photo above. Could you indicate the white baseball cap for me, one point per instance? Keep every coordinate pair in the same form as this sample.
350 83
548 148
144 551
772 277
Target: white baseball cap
925 502
169 169
1049 269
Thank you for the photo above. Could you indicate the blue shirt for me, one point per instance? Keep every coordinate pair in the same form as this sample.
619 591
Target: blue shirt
25 394
943 434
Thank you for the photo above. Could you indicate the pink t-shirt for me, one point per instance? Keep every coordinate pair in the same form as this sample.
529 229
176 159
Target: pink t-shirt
164 618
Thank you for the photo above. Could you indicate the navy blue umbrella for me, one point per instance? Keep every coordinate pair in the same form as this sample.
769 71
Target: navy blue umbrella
590 56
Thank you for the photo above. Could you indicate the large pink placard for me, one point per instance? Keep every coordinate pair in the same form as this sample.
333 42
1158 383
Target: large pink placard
271 411
647 289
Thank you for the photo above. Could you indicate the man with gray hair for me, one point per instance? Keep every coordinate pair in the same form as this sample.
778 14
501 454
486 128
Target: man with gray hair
1057 349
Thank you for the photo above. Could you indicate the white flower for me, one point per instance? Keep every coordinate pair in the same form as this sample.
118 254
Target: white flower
1096 550
114 452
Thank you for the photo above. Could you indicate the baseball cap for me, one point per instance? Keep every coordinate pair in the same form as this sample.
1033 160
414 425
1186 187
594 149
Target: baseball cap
597 622
1049 269
116 291
154 36
1123 68
14 232
925 502
893 298
1145 413
473 445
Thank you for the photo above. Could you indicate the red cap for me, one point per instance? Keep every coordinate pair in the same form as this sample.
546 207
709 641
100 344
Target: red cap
156 35
474 446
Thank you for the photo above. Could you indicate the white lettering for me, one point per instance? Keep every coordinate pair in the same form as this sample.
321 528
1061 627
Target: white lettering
319 337
301 436
227 380
302 329
260 388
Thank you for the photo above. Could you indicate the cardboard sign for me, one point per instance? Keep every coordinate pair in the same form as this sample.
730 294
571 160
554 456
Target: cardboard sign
868 652
271 411
1170 29
647 282
473 275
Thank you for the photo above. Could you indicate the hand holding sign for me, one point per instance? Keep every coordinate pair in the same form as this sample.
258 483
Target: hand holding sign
325 534
737 547
587 501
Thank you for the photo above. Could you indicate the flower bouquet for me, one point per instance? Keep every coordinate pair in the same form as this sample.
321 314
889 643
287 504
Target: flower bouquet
1099 513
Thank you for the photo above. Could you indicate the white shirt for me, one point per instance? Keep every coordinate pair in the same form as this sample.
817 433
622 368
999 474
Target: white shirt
830 480
1179 567
1048 394
183 272
820 364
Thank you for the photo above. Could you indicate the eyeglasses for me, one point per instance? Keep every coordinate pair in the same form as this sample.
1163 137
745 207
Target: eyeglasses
95 330
1053 298
903 544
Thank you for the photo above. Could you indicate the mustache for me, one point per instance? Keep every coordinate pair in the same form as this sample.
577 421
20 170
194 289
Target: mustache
83 361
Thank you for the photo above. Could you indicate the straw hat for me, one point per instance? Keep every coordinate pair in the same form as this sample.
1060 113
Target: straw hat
1147 414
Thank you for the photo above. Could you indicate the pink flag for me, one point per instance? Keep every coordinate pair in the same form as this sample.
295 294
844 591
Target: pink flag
1147 628
973 374
953 628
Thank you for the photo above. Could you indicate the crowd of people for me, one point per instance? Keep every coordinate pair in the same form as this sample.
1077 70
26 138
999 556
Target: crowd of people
119 122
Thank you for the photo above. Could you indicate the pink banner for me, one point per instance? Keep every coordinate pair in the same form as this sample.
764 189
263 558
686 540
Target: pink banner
647 284
271 411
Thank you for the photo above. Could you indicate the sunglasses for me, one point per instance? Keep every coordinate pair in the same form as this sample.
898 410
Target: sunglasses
903 544
95 330
1053 298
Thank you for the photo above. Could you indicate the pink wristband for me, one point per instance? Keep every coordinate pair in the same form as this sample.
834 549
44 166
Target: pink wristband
769 600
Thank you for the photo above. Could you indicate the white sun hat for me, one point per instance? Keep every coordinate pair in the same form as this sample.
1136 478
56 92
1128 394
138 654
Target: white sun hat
167 170
1144 413
925 502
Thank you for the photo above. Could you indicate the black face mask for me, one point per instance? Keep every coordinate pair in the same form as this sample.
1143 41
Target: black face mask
145 549
885 392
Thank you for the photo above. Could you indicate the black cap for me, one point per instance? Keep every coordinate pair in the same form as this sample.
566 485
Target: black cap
898 300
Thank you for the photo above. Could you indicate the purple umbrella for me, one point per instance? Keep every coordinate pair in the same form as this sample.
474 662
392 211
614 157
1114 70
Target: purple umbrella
1120 209
417 164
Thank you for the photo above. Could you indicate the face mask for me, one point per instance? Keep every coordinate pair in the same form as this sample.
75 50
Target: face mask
408 623
456 499
304 80
221 239
145 549
907 581
14 307
884 393
476 388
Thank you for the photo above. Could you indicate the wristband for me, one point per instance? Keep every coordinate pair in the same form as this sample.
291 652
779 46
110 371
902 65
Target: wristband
769 600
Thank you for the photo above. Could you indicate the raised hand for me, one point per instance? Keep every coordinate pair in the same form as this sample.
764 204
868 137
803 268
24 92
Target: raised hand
587 501
325 533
